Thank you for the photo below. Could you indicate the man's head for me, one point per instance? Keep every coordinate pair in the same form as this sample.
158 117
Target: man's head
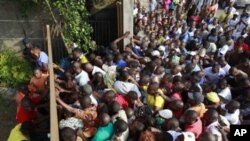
68 134
210 116
24 89
171 124
216 68
77 66
85 101
35 51
86 90
233 71
77 52
232 106
131 97
114 108
26 104
120 126
176 105
38 73
222 84
104 119
88 67
153 88
190 117
108 97
129 112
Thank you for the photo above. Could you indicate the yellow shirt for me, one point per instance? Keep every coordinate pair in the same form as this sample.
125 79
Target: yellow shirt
155 101
16 134
83 59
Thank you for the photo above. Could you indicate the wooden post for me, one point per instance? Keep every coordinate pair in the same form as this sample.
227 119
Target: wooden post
54 133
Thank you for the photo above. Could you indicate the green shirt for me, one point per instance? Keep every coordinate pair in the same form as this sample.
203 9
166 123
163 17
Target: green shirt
104 133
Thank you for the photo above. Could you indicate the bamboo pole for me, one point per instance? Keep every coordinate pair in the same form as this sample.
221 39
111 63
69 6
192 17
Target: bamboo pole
54 133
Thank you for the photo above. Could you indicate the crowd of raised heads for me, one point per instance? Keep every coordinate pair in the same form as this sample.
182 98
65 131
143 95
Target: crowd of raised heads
183 77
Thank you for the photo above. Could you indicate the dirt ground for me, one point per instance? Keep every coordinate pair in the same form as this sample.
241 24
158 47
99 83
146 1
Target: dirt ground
7 115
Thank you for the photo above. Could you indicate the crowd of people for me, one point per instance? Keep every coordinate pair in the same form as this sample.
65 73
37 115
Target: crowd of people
183 77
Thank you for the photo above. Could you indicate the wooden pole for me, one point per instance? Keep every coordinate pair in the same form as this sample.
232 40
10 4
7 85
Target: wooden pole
54 133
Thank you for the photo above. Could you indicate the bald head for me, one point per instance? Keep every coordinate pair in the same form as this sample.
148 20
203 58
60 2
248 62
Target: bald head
88 67
77 66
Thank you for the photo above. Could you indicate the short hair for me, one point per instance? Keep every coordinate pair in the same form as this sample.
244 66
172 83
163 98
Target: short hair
120 126
67 134
115 107
85 101
77 50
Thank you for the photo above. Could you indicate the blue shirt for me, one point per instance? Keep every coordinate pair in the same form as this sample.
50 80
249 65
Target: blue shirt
121 64
104 133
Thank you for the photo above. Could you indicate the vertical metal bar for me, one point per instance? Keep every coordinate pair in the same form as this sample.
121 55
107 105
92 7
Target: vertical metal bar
53 111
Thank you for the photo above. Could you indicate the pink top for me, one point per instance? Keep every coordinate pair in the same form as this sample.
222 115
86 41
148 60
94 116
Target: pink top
121 100
177 96
195 128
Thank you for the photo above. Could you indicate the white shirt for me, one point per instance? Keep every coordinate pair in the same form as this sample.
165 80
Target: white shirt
212 128
124 87
97 69
43 58
213 77
93 100
196 68
233 118
82 78
226 68
226 94
232 10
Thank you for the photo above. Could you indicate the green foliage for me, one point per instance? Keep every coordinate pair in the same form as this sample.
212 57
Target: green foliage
14 70
74 18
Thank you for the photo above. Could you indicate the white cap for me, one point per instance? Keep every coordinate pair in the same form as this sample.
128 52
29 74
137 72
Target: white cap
166 113
155 53
161 48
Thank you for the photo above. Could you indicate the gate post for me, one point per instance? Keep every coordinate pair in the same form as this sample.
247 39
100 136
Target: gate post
125 19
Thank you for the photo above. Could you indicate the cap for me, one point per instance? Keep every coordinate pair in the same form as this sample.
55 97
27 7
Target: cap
196 96
166 113
161 48
188 136
155 53
213 97
86 89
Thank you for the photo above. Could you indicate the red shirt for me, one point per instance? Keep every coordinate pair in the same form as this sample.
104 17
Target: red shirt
121 100
195 128
23 115
244 46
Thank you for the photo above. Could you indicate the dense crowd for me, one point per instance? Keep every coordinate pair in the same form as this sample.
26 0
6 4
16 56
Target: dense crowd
183 77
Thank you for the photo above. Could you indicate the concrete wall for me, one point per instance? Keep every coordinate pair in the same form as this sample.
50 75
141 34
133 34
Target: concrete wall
13 26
